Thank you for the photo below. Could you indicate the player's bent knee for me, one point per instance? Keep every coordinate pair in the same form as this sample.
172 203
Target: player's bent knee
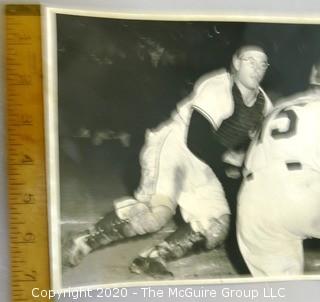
143 218
162 209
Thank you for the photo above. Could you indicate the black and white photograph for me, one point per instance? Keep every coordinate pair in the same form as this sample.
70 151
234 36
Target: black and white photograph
182 150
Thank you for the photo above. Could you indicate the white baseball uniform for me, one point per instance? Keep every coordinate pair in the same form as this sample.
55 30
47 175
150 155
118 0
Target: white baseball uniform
170 169
279 201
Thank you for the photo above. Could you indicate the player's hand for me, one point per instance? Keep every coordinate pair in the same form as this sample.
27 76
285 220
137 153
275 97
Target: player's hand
234 158
233 172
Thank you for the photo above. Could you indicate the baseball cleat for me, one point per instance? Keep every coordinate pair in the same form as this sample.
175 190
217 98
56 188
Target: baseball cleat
155 267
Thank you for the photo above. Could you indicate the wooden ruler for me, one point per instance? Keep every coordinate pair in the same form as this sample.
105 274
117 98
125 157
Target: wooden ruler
28 227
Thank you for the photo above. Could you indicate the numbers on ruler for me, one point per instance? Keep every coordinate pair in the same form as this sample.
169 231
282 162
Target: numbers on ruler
28 198
29 237
25 144
27 160
32 276
25 119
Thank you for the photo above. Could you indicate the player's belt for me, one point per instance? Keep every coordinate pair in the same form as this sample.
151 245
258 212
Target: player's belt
291 166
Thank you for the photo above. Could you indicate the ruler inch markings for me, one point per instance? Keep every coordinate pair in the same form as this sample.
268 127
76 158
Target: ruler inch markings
26 153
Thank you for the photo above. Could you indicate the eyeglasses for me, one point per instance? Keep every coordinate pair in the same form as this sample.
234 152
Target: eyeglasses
254 63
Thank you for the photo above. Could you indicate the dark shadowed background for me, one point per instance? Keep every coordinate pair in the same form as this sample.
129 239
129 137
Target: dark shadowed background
116 78
128 75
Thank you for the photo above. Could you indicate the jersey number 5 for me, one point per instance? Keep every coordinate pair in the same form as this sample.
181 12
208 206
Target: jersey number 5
292 127
277 133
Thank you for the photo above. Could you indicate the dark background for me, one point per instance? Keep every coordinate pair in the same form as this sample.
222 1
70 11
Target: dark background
128 75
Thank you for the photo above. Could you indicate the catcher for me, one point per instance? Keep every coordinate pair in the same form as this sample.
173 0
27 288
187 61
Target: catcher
180 162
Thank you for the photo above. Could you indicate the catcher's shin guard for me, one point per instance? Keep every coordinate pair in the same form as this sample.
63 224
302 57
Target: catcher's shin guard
108 229
177 245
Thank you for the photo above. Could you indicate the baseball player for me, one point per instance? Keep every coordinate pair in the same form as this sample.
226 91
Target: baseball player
279 201
223 108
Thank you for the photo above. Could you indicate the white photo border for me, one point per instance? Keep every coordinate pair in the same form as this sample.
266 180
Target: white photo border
50 77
